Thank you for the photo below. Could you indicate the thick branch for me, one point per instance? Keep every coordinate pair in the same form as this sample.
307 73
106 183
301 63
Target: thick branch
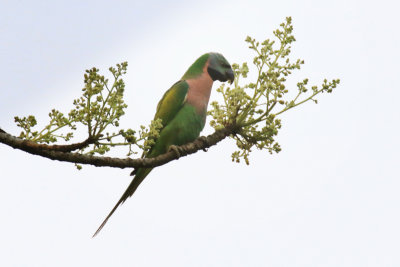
190 148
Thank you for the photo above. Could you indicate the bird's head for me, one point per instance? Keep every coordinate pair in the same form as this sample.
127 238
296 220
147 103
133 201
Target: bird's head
219 68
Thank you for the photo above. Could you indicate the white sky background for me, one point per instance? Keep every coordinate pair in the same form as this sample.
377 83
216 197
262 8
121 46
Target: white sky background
330 198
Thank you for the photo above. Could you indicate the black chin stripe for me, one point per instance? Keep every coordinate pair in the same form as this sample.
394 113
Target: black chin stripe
215 75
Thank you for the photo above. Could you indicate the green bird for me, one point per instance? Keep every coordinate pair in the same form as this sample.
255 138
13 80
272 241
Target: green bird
182 111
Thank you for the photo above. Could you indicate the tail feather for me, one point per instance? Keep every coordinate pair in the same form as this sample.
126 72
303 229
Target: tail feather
137 180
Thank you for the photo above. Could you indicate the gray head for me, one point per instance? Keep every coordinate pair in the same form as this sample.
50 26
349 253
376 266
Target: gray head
219 68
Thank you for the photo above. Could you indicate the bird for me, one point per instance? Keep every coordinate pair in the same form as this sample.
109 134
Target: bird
183 111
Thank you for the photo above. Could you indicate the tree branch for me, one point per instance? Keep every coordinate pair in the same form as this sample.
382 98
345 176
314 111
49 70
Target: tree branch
53 154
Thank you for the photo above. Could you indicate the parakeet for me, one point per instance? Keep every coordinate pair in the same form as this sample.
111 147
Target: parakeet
182 111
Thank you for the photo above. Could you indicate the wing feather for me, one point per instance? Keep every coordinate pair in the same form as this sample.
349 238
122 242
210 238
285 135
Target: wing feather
172 102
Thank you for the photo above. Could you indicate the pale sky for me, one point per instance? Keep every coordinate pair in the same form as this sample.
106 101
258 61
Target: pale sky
330 198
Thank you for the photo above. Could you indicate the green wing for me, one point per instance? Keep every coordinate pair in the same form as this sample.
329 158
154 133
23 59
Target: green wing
172 102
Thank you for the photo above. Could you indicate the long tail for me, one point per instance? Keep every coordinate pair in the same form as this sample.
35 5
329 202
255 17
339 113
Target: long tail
137 180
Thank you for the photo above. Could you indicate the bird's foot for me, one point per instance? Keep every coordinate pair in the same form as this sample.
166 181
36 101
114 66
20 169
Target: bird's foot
204 140
177 150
